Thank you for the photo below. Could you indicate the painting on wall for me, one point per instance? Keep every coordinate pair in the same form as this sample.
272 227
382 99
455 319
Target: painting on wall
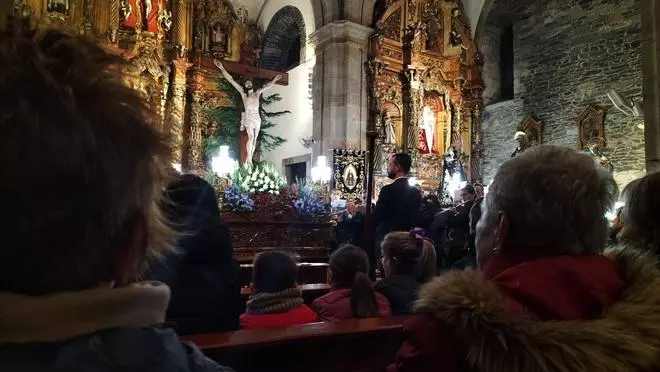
591 128
348 170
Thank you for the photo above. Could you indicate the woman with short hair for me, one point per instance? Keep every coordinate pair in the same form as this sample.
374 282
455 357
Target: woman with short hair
545 298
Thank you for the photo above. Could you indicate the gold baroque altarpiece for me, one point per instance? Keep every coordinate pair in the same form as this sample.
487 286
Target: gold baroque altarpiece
425 83
169 46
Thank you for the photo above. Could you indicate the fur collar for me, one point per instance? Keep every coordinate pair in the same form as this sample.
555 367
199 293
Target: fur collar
626 338
61 316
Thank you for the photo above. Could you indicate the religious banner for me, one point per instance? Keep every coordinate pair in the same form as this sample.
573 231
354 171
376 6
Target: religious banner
143 14
348 170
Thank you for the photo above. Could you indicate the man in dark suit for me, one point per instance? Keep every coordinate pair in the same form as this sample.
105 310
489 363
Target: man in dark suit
398 202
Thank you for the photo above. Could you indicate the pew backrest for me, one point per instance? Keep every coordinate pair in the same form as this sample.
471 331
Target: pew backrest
352 345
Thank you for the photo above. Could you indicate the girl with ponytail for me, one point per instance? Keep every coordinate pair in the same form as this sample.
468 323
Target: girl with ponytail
352 294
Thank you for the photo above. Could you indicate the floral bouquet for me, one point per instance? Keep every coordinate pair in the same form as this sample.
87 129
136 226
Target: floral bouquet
260 178
237 200
308 203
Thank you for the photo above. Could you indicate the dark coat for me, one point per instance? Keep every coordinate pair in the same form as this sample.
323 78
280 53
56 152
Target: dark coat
114 350
95 330
203 276
350 230
401 291
556 314
396 209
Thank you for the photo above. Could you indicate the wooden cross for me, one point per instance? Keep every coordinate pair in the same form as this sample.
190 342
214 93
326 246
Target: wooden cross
245 71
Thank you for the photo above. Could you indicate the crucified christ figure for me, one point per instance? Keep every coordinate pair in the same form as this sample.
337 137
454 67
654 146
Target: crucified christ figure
250 118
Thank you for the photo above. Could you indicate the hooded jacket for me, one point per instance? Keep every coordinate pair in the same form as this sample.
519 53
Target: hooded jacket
556 314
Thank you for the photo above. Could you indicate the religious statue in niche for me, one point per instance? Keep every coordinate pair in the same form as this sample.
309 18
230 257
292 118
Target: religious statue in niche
348 173
427 132
388 134
218 38
148 15
58 6
591 127
250 117
457 29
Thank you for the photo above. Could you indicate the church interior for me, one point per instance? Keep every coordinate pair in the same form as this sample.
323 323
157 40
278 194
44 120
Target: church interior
301 116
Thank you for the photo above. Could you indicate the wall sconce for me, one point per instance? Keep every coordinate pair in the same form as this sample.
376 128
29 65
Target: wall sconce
307 142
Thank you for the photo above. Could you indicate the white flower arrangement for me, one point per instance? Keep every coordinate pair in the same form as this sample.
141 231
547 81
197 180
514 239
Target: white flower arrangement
259 178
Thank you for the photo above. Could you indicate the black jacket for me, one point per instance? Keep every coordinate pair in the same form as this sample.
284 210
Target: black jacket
401 291
397 207
203 276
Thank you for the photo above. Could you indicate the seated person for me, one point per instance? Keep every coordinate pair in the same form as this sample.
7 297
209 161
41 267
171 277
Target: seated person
406 264
350 226
545 297
352 295
203 276
82 173
276 300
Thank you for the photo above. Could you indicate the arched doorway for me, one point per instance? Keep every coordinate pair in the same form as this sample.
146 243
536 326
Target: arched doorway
284 40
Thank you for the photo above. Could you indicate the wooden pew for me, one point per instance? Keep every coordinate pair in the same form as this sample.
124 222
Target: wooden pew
352 345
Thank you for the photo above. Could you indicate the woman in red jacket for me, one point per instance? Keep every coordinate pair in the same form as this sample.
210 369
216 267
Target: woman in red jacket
277 301
352 295
545 299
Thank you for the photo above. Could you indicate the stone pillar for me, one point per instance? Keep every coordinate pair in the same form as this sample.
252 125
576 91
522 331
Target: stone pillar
651 73
339 86
195 156
178 108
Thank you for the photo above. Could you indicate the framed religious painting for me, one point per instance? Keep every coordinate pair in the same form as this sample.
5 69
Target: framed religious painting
348 169
591 128
532 129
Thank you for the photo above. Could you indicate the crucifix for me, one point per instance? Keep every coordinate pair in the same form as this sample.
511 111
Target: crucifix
250 117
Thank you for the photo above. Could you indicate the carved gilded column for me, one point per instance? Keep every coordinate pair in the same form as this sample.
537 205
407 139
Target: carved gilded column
178 108
114 19
477 146
180 26
413 93
195 140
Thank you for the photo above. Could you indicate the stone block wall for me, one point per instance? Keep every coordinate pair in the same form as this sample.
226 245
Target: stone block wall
567 55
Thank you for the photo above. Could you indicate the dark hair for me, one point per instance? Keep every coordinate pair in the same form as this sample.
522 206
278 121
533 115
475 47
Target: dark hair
403 161
83 166
469 189
349 266
641 212
274 272
406 250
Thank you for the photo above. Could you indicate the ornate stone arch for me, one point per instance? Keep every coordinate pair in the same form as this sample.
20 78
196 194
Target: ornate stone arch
285 34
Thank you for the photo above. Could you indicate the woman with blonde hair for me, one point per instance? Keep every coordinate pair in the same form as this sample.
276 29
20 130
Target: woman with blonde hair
408 261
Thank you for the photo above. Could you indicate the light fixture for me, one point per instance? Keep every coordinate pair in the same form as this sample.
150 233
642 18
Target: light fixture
177 167
321 172
222 164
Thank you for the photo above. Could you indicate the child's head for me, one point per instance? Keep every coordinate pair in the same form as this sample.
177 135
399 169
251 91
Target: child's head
349 268
408 254
345 263
82 166
274 272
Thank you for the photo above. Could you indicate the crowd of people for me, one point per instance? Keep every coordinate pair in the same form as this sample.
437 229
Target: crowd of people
90 205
